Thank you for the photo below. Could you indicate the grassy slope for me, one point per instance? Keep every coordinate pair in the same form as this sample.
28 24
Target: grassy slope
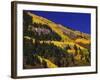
59 30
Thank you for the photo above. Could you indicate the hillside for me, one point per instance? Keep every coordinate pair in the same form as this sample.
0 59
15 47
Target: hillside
50 45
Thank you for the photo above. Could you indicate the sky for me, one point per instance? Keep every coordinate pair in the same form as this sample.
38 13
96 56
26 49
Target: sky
77 21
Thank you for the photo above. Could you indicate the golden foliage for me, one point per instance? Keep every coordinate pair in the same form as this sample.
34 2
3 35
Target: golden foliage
48 62
84 41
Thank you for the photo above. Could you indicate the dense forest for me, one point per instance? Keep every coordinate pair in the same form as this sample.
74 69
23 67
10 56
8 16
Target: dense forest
43 47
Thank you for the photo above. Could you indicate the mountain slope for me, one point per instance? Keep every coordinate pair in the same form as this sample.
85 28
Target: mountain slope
56 45
52 25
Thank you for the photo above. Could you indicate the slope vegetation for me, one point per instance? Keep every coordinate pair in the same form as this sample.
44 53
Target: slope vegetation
50 45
